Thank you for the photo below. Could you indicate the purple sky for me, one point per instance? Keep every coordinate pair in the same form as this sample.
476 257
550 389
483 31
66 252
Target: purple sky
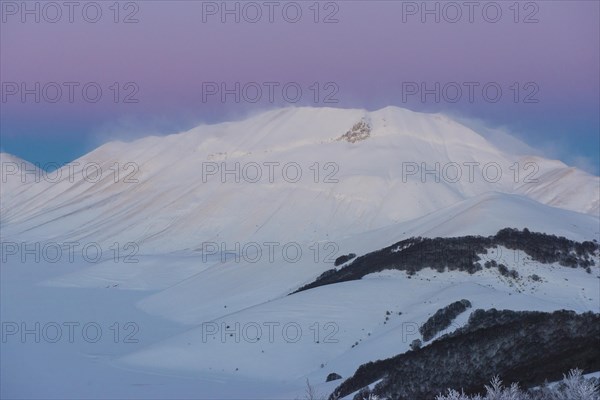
370 55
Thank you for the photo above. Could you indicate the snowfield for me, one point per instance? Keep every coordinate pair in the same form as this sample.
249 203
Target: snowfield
183 314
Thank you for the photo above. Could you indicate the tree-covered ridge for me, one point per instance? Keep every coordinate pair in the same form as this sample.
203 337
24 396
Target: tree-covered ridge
519 346
443 318
464 254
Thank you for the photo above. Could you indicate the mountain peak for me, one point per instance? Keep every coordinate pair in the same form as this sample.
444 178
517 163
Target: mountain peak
381 167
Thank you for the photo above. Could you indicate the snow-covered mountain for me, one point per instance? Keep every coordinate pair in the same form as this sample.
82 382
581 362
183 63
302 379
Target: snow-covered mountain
359 171
368 180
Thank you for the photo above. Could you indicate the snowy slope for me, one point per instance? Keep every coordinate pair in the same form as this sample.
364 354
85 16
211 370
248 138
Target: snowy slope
17 177
204 286
341 315
160 200
482 215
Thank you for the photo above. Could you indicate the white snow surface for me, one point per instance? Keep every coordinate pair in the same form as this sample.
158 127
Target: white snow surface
178 296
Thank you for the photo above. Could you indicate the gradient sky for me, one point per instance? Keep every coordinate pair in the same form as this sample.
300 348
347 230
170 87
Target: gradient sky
370 53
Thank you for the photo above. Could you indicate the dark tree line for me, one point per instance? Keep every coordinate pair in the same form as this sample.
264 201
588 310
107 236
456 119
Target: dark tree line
463 254
443 318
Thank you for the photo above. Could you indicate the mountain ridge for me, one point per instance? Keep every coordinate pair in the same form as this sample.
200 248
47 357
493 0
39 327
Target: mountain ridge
411 164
